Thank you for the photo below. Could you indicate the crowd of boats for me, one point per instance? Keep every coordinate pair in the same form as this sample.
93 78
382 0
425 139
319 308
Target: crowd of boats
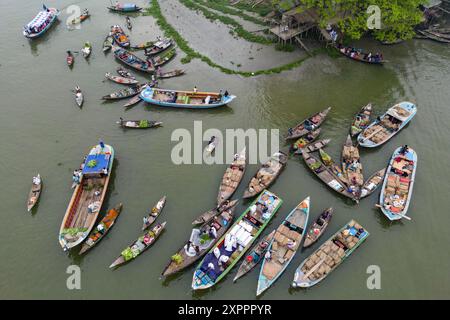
218 241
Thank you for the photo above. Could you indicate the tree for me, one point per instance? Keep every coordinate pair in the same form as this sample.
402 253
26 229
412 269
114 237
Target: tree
398 17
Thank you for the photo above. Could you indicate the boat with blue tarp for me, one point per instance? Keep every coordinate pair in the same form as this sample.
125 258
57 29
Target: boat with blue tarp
125 7
88 196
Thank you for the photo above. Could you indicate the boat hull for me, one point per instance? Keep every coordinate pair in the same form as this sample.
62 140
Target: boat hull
52 21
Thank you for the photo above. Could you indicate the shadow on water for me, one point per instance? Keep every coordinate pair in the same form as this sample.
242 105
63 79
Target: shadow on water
34 43
216 111
383 221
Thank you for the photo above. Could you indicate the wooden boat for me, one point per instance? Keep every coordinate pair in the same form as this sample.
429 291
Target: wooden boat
125 73
41 23
200 241
138 124
362 120
102 228
35 192
131 102
230 248
444 36
318 227
305 140
284 246
108 42
330 255
79 98
125 7
185 99
326 175
171 74
388 43
213 143
232 177
87 49
84 15
308 125
398 183
208 215
158 47
359 55
352 167
254 257
266 175
128 22
143 45
139 246
313 146
120 80
132 60
88 196
70 59
124 93
334 167
433 36
388 125
154 213
158 60
372 183
119 36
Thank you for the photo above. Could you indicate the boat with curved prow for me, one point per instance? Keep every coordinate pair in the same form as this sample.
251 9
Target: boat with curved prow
284 246
125 7
171 74
266 175
119 36
35 192
372 183
124 93
185 99
88 196
333 166
41 23
84 15
120 79
388 125
308 125
108 42
139 246
232 246
318 227
362 120
313 146
200 241
359 55
154 213
208 215
139 124
352 167
132 60
396 191
330 255
305 140
102 228
232 177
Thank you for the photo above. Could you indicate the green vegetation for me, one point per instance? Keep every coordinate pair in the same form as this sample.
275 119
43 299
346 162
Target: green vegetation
285 47
398 18
238 29
263 9
169 31
219 6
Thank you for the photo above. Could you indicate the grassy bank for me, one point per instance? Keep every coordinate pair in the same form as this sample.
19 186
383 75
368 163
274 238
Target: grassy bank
155 11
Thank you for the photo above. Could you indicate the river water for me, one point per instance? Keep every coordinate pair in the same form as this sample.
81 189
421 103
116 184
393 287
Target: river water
41 130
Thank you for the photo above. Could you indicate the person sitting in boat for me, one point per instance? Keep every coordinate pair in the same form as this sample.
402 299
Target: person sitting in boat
268 255
212 232
105 171
291 244
404 149
226 94
36 180
195 89
100 228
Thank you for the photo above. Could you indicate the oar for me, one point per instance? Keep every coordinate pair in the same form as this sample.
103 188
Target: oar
400 215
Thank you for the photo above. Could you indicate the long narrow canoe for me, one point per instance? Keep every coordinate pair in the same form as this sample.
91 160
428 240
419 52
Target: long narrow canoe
208 215
125 7
388 125
35 192
185 99
232 177
88 196
352 167
372 183
124 93
398 183
308 125
326 175
442 36
79 97
125 73
318 227
133 101
171 74
132 60
266 175
362 120
139 124
330 255
305 140
140 245
154 213
284 246
121 80
102 228
313 146
433 36
200 241
232 246
333 166
158 47
254 257
41 23
360 56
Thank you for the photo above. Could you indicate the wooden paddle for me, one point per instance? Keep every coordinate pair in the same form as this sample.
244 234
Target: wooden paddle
401 215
